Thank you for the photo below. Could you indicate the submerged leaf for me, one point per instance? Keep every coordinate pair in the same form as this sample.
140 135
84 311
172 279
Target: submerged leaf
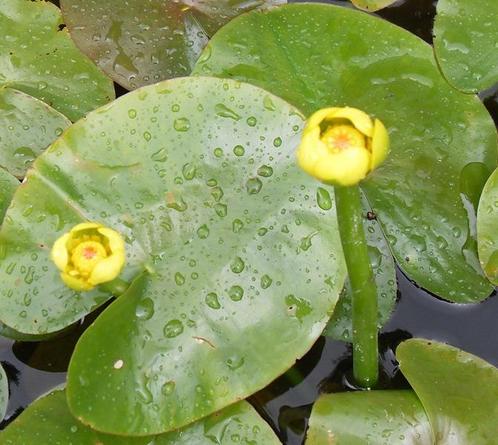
436 132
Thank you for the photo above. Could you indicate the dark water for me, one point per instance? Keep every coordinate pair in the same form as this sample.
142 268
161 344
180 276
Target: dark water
35 368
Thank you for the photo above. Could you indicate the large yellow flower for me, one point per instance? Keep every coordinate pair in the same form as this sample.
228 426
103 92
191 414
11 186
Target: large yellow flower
90 254
340 146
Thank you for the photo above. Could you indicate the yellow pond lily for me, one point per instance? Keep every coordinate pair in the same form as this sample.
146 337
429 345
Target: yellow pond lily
90 254
340 146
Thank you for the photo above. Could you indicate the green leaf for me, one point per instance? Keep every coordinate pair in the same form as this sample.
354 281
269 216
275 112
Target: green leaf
38 57
4 393
8 185
466 43
340 325
199 176
27 127
350 58
372 5
138 43
369 418
459 391
48 420
487 228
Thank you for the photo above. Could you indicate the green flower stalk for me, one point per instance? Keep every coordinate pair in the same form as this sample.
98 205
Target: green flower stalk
340 147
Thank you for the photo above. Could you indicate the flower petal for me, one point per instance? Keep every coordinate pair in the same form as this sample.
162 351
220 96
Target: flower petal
380 144
310 151
77 284
85 226
107 269
318 117
358 118
59 252
345 168
116 242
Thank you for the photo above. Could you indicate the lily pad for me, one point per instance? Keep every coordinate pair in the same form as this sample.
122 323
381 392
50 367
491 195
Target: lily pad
436 131
27 127
199 176
138 43
340 324
48 420
4 393
372 5
458 390
466 43
371 417
8 185
487 228
38 57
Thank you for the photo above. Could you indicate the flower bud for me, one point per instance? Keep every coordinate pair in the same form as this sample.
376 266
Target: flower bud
340 146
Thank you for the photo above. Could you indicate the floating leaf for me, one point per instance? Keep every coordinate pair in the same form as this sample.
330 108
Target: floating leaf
48 420
436 132
487 228
458 390
38 57
466 43
199 176
372 5
340 325
4 393
27 126
369 417
8 185
138 43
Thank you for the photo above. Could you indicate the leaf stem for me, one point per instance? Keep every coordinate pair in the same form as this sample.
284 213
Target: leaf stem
364 290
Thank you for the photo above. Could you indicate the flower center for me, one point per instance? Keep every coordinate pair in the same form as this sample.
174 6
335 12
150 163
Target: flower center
86 255
342 137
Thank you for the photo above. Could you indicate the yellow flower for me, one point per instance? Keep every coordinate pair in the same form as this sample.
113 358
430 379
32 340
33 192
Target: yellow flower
90 254
340 146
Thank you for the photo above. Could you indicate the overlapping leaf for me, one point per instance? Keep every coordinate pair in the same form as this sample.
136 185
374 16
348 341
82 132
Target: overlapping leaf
142 42
466 43
4 393
372 5
340 325
8 185
199 176
48 421
27 126
38 57
487 228
314 56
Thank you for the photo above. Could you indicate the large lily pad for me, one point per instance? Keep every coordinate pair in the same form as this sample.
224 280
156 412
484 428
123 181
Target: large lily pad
199 176
142 42
487 228
4 393
27 127
38 57
48 421
340 325
369 418
436 131
466 43
8 185
372 5
458 391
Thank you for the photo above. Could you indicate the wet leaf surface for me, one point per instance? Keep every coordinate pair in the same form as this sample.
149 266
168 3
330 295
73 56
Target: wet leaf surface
27 127
8 185
440 138
48 420
38 57
466 43
142 42
372 5
4 393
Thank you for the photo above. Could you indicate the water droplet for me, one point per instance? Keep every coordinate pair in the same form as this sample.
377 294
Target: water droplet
132 113
253 186
277 142
145 309
265 170
237 225
179 279
189 171
223 111
236 293
203 231
239 150
212 301
235 362
217 193
266 281
268 104
221 210
218 152
173 328
147 136
323 199
160 156
181 124
168 388
252 121
237 265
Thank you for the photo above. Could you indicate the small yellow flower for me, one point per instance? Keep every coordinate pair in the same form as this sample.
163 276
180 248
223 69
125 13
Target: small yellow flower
90 254
340 146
